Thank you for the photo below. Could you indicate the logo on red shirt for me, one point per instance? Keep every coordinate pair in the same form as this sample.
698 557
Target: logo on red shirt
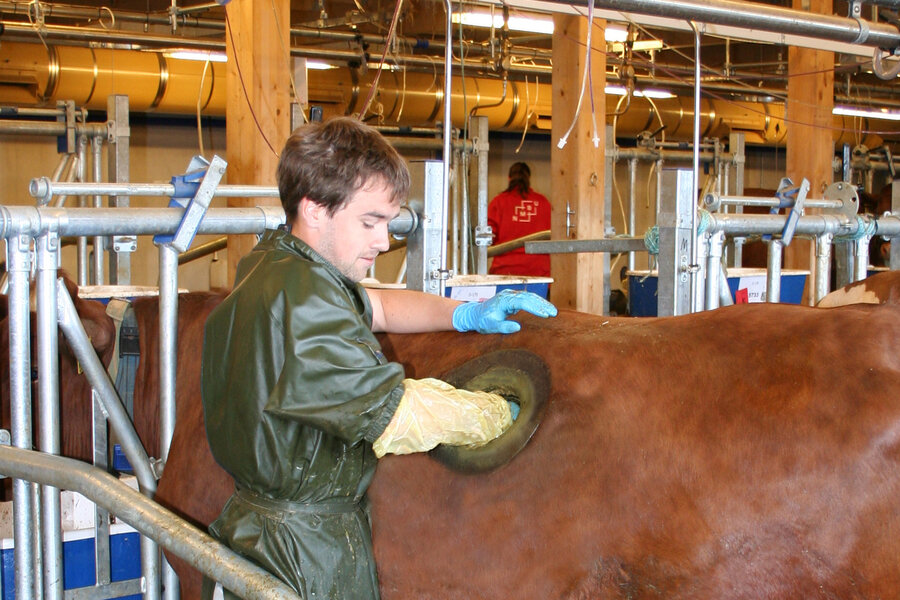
525 211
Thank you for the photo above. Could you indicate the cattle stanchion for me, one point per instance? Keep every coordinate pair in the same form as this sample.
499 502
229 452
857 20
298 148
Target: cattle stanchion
19 225
212 558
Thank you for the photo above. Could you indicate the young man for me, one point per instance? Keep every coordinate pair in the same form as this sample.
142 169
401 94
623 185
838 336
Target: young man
295 388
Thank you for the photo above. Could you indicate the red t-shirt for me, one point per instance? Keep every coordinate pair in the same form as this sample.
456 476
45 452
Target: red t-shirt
511 216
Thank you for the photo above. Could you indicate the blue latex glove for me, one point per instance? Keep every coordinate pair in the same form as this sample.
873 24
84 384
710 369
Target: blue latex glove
490 316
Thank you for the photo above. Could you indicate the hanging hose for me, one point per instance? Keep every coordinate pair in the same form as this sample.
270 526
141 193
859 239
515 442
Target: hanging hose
878 67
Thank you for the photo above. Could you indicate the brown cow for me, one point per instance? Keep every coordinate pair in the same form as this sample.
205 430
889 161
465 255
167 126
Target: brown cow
734 453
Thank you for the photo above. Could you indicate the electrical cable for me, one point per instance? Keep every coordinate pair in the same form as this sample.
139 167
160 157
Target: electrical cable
199 99
587 67
387 44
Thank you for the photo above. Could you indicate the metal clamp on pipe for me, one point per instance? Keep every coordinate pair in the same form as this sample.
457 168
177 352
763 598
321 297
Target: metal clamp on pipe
796 211
193 191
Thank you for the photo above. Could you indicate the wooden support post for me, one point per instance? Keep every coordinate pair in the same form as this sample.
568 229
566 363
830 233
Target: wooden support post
578 168
810 144
258 102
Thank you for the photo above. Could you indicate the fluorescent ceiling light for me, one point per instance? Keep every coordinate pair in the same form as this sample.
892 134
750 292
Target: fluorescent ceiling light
315 65
638 45
530 24
203 55
872 113
615 34
617 90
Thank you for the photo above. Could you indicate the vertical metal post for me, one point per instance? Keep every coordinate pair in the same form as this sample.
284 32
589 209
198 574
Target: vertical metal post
168 350
102 566
737 147
118 168
18 260
823 264
632 175
846 164
714 269
894 258
454 248
464 217
861 258
47 254
609 169
677 205
692 275
773 272
99 241
448 96
81 177
423 246
483 232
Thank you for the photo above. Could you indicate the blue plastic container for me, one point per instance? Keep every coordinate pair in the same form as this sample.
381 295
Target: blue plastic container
78 560
482 287
747 285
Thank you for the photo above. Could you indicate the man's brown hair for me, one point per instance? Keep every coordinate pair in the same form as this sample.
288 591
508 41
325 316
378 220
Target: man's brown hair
327 162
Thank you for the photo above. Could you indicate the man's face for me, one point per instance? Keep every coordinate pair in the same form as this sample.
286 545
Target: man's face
352 238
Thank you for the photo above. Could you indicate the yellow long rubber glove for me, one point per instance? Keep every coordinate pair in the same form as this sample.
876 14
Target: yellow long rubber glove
433 412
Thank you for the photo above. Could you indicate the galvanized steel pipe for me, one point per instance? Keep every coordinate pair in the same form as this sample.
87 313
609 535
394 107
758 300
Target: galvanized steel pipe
24 505
31 221
47 259
197 547
823 265
43 187
773 271
759 16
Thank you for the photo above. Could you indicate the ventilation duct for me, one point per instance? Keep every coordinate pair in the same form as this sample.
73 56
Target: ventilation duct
31 74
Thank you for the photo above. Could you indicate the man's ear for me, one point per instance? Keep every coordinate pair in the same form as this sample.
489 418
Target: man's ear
311 213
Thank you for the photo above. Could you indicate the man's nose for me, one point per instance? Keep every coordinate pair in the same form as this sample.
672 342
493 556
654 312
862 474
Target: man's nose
382 241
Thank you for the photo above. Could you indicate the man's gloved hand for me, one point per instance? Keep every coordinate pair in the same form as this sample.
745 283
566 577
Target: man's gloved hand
433 412
490 316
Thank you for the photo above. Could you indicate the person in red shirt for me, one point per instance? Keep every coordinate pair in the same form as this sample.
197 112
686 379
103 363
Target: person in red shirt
514 213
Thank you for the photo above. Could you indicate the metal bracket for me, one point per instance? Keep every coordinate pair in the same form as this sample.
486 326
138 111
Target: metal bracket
787 234
484 235
847 195
209 175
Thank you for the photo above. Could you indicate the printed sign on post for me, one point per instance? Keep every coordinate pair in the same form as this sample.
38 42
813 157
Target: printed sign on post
469 293
753 289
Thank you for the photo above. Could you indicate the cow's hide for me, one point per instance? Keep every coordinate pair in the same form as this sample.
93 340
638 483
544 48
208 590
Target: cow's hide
880 288
747 452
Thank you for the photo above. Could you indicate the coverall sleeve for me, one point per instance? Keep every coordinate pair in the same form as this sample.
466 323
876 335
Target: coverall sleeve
335 377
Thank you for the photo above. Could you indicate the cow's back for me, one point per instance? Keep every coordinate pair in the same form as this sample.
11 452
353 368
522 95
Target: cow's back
728 454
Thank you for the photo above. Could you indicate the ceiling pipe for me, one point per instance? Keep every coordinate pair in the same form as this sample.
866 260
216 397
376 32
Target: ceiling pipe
66 11
56 10
31 75
753 15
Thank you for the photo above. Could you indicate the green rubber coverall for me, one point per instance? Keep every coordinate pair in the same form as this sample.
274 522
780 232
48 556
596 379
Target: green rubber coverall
295 390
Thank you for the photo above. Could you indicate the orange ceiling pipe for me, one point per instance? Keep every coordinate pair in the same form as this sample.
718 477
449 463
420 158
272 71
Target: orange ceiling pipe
31 74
